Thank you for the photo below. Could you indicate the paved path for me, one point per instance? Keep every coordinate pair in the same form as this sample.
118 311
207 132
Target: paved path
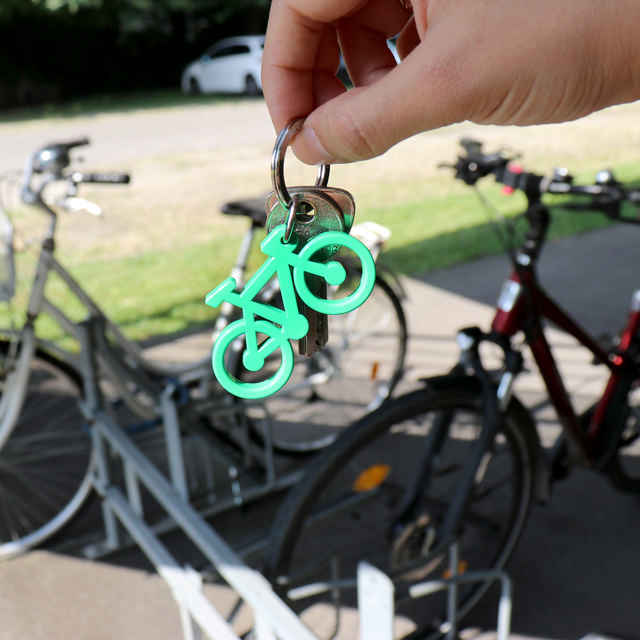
577 566
575 570
126 137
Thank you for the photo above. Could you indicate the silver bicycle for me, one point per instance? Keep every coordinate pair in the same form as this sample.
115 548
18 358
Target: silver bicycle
47 457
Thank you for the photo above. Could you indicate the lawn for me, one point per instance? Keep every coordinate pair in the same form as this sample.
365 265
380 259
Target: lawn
151 271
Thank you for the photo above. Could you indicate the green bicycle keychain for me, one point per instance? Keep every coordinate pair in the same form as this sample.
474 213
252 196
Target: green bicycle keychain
306 228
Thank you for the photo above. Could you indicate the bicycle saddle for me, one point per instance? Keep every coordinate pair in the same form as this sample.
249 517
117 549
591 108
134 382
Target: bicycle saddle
253 208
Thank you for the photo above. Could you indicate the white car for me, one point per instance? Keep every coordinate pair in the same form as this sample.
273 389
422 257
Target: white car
231 65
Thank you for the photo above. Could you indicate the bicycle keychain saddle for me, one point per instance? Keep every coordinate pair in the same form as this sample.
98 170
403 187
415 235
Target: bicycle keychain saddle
306 227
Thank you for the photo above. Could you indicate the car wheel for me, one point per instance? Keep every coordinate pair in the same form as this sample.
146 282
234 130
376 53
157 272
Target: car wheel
251 86
194 87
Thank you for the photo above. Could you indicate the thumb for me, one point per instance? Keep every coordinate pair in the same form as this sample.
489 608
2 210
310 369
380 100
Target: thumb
367 121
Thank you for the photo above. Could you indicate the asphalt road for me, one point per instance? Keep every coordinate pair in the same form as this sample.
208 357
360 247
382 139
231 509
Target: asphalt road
126 137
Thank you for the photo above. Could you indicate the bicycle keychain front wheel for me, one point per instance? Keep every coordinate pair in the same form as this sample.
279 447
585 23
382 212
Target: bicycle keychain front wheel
225 357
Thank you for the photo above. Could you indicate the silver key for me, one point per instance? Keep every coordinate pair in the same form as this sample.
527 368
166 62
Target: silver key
319 209
316 211
318 334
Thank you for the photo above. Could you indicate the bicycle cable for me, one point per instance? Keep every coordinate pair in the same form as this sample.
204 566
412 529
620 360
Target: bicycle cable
503 228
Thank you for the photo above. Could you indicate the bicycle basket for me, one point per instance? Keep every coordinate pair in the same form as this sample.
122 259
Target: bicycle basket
7 266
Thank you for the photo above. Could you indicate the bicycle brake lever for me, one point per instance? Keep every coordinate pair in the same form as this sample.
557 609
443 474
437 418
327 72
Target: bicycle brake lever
74 205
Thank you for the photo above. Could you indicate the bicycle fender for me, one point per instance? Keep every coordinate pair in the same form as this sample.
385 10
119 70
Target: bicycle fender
471 384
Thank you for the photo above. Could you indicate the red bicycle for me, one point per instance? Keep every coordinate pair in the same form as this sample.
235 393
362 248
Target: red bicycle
455 465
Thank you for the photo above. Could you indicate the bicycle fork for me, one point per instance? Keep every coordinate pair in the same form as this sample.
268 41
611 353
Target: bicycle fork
495 398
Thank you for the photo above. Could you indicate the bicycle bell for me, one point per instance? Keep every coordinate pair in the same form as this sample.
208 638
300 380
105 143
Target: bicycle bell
53 158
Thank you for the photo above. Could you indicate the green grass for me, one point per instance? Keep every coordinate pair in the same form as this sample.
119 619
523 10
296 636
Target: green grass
162 292
461 231
149 295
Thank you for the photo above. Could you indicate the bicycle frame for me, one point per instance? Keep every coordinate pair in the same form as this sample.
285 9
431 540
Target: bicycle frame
522 306
279 263
129 366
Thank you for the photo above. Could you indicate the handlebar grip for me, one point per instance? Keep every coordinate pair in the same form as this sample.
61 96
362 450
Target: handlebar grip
102 178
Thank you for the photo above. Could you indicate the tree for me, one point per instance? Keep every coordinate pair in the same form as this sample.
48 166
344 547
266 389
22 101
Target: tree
72 48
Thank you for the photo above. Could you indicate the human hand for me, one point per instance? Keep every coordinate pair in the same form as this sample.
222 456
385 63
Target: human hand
491 62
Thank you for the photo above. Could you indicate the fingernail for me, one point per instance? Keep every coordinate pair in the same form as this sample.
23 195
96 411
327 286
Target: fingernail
309 148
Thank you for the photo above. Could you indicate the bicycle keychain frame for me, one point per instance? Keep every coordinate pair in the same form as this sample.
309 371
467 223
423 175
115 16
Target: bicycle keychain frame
291 265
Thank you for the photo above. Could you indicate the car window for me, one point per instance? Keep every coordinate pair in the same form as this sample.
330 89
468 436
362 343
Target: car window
232 50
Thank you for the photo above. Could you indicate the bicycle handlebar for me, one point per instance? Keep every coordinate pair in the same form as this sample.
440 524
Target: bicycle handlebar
606 193
101 178
80 142
51 163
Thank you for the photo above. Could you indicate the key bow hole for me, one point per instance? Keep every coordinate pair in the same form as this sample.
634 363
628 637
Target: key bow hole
305 213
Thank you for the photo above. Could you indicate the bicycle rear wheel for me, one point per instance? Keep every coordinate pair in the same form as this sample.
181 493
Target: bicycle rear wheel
355 373
46 461
351 506
620 441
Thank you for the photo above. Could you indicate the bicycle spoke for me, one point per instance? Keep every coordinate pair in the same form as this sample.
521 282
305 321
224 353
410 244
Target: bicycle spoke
397 528
45 462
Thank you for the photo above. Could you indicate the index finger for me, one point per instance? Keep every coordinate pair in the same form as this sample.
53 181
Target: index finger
301 56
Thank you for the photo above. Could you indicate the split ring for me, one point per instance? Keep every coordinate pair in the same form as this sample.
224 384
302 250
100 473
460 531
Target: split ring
277 164
291 219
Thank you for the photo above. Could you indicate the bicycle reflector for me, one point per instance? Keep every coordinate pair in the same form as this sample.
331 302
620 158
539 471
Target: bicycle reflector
371 478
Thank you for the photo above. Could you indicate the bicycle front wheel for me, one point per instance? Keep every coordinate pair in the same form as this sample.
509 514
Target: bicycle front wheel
46 462
354 373
352 506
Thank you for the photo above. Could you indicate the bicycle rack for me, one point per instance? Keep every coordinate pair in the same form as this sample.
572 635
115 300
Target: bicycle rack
272 618
450 584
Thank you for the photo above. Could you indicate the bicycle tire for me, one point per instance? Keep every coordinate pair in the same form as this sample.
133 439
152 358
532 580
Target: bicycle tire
357 371
343 510
47 461
268 379
620 441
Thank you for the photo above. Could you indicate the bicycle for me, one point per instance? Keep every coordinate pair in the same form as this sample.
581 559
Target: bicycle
450 469
359 367
282 325
47 459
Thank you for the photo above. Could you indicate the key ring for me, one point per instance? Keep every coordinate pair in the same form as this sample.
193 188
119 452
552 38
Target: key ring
291 219
277 164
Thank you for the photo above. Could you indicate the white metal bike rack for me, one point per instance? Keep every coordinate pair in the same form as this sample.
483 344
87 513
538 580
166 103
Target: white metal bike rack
122 508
